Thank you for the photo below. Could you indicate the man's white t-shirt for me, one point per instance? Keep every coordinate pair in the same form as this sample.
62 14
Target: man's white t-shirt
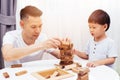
15 38
101 50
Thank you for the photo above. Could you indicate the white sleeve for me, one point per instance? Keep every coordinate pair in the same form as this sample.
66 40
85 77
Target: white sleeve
8 38
112 52
87 48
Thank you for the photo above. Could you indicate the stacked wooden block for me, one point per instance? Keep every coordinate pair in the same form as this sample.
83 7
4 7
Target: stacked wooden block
66 55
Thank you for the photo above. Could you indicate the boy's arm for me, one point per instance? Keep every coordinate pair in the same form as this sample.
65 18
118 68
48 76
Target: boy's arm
106 61
56 53
80 54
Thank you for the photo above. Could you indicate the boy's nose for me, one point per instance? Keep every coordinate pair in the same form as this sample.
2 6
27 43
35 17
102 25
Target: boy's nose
91 30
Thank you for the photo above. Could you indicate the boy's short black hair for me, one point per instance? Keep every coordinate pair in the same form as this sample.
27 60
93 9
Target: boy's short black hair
101 17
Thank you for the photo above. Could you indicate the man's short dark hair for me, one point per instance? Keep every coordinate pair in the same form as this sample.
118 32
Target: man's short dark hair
101 17
30 11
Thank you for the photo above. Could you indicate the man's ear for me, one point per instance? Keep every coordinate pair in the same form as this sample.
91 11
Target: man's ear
22 23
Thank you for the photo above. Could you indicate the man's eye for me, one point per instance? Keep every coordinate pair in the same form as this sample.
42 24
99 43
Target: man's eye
33 26
40 26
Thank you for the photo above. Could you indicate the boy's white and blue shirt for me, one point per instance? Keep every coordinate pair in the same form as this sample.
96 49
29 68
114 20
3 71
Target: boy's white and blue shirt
101 50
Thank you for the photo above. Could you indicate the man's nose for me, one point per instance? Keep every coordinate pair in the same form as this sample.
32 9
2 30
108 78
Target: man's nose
37 30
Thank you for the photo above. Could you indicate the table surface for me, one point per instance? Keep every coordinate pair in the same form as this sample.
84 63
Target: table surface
98 73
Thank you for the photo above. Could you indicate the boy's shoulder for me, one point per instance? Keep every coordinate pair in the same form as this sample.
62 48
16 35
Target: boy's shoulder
108 39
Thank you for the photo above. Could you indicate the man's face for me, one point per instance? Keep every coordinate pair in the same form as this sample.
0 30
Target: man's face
97 30
32 27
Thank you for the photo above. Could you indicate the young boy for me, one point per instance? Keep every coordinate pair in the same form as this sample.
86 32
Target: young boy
101 49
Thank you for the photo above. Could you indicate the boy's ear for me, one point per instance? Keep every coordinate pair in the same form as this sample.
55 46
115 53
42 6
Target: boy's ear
105 26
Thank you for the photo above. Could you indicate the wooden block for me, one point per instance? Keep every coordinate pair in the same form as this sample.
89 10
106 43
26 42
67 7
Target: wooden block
76 69
78 65
68 67
83 71
54 74
6 75
83 77
59 66
21 73
16 65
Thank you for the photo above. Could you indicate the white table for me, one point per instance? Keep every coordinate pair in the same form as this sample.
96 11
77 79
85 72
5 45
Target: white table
98 73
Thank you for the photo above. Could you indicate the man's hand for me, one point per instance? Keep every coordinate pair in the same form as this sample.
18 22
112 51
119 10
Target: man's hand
51 43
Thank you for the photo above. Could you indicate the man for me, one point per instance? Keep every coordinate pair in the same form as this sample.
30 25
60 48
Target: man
29 43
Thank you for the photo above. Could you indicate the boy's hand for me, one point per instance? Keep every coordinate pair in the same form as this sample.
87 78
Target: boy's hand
74 51
92 64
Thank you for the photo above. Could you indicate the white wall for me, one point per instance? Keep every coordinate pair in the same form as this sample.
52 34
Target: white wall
68 18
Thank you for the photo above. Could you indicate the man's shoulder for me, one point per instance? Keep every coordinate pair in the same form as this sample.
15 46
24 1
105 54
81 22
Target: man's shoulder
11 36
14 32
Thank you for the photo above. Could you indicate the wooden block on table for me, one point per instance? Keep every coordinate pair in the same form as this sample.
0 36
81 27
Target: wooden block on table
16 65
80 70
78 65
76 69
83 77
83 73
52 74
68 67
21 73
6 75
59 66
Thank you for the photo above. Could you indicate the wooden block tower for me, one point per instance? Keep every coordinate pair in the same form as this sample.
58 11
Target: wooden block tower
66 55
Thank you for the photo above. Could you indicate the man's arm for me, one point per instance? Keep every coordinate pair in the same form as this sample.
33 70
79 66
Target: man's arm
11 53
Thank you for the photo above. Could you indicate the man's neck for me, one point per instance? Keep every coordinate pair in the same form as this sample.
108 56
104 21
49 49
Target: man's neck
27 40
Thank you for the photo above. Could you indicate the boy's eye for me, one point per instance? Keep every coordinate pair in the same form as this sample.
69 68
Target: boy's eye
89 27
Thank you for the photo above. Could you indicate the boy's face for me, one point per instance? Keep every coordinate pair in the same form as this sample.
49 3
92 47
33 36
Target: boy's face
97 30
32 27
